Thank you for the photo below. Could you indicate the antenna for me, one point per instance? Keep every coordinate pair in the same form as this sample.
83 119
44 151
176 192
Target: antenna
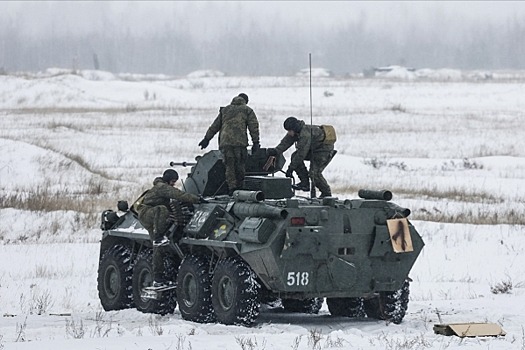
311 113
312 188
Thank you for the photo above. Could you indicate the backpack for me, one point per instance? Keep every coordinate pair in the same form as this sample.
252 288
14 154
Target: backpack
329 134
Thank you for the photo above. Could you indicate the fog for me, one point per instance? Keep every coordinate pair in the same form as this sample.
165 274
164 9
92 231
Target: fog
260 38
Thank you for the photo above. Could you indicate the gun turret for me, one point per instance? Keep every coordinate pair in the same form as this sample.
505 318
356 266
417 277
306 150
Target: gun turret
207 176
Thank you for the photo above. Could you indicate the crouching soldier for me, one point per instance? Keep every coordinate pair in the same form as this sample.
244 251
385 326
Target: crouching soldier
311 144
153 212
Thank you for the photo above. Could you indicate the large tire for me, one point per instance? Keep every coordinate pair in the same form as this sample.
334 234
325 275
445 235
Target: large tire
114 278
390 306
143 277
235 292
307 306
347 307
194 289
372 308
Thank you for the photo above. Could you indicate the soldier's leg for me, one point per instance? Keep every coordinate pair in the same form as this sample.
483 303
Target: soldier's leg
158 263
301 170
241 153
147 218
161 214
318 164
228 156
160 222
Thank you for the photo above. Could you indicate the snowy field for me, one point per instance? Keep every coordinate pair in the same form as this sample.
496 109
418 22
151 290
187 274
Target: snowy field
449 145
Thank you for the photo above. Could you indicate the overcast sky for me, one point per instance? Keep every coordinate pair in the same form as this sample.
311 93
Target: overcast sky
38 18
260 37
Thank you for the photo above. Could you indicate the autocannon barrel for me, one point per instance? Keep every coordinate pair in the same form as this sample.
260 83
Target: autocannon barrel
248 196
259 209
370 194
184 164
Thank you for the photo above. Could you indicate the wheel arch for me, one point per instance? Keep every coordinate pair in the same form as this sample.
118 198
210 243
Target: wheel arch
134 245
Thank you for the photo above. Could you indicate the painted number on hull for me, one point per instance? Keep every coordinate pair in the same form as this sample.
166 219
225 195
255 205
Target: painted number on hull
297 278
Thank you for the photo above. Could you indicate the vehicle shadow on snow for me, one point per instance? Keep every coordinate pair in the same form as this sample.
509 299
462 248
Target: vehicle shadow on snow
323 320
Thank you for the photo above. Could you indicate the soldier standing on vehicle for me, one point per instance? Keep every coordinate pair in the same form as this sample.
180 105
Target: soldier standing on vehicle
153 209
311 144
231 124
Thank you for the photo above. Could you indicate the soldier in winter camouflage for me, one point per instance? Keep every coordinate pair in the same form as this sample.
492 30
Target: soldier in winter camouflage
153 212
231 124
310 145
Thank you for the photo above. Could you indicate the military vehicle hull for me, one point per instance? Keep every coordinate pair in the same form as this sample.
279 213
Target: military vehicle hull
234 252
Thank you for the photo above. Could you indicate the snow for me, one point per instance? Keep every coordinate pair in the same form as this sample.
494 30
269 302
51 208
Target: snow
449 144
316 72
205 73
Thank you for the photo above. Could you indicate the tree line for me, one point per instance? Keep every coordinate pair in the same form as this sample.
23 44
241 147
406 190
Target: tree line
348 48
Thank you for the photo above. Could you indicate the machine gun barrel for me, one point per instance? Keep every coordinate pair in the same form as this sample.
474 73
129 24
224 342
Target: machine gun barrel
383 195
259 210
182 163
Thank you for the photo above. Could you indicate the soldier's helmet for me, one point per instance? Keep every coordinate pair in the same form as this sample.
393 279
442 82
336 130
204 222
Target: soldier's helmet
170 175
291 123
244 97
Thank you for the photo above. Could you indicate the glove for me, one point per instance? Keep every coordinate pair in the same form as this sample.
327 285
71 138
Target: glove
271 152
202 200
256 147
289 173
204 143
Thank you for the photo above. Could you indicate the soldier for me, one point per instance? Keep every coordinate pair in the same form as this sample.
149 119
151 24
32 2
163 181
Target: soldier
153 212
231 123
310 145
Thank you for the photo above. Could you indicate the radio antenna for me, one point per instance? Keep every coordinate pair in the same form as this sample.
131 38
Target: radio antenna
311 113
312 189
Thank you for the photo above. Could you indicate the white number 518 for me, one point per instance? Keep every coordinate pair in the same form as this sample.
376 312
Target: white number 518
297 278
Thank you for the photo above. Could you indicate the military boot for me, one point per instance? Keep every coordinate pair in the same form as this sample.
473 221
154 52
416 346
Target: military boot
302 186
161 242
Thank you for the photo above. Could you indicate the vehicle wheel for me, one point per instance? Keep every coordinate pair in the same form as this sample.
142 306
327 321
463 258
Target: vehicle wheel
372 308
114 278
143 277
390 306
235 292
194 289
307 306
347 307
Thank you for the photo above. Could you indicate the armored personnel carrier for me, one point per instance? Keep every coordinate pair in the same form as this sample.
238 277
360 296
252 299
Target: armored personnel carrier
264 244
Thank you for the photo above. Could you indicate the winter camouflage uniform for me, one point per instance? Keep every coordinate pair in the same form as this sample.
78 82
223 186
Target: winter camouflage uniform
153 214
309 144
231 124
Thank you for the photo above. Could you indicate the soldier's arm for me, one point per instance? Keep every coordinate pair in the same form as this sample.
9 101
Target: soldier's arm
285 143
182 196
215 126
253 127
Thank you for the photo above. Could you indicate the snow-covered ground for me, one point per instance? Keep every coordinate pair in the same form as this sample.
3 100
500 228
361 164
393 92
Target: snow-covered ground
451 150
